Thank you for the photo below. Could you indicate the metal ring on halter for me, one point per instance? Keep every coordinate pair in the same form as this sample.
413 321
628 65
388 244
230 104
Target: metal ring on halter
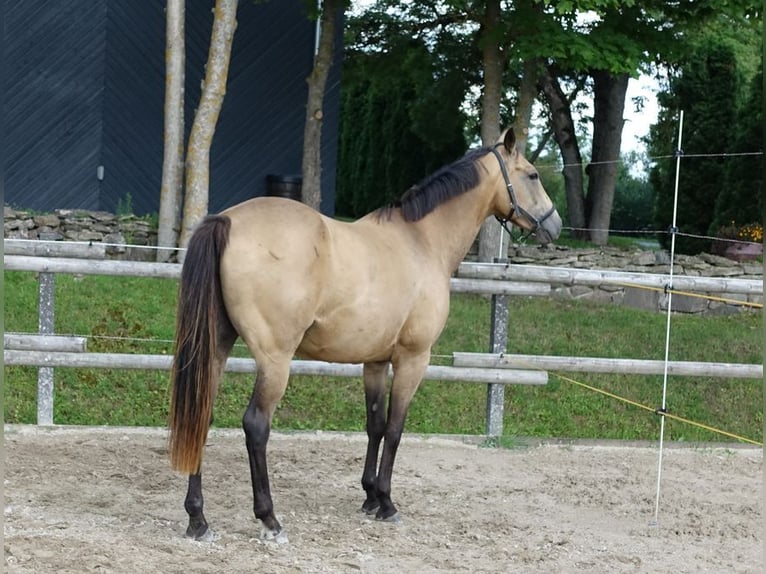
515 204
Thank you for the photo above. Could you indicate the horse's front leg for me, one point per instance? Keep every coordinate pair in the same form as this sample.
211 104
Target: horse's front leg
269 388
375 399
408 372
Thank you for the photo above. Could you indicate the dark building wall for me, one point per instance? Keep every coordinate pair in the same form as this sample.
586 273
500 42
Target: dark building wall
54 54
86 90
134 92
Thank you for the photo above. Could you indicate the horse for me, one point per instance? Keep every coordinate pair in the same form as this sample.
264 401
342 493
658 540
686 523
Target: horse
292 282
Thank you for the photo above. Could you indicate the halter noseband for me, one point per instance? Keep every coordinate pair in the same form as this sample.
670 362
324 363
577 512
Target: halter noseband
515 207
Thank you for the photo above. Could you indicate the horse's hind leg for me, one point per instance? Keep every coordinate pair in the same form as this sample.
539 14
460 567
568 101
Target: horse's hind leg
375 399
270 385
198 528
193 504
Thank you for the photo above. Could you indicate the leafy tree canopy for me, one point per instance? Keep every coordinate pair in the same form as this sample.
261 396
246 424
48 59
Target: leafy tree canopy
714 86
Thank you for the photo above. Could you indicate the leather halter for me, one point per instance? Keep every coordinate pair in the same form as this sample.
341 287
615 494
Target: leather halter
515 207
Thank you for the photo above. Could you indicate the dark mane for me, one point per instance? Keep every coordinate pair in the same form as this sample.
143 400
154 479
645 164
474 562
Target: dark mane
445 183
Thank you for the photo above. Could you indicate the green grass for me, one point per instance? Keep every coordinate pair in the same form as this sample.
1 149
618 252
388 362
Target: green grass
132 315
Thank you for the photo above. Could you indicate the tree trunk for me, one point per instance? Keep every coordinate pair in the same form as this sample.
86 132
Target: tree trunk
173 160
490 234
608 105
203 128
312 133
526 99
564 132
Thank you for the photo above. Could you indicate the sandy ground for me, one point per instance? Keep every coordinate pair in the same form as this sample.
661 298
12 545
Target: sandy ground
105 500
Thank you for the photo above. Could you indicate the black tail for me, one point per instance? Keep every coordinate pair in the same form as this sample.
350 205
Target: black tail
200 306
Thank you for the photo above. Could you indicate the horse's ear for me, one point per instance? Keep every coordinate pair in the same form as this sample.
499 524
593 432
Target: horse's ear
509 140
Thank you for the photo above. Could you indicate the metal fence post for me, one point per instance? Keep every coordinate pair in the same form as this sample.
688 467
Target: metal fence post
498 341
45 327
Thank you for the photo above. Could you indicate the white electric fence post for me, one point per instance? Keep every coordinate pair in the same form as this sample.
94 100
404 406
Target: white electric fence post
673 231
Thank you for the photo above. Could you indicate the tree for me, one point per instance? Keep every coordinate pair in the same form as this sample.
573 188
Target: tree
549 168
710 86
205 119
609 91
599 55
620 38
493 65
197 162
317 80
563 125
705 92
528 91
480 30
502 38
741 198
400 121
172 164
532 45
633 198
404 83
568 47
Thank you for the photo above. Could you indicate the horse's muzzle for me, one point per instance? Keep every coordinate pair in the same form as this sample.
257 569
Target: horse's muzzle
549 228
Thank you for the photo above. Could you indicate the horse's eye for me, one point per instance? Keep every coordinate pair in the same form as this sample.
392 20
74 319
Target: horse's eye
534 176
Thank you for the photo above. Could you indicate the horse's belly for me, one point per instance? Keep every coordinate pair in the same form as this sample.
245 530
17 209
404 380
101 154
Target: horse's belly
347 344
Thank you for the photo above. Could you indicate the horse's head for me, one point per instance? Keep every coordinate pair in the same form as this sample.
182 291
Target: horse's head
522 199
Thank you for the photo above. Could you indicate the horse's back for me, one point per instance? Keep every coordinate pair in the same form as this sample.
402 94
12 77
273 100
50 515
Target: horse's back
272 221
286 236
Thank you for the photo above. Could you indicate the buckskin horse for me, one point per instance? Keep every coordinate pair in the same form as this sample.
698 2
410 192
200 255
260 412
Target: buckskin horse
293 283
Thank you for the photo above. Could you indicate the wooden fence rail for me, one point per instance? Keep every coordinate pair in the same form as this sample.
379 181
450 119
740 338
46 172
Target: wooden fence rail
602 365
598 277
240 365
54 249
34 342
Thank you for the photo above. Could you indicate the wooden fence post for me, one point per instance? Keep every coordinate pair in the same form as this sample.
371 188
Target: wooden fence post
45 311
498 341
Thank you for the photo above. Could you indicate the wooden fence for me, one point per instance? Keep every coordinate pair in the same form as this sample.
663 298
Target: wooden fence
496 368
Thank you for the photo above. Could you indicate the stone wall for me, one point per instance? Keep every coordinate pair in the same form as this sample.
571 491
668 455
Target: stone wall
117 230
88 226
640 261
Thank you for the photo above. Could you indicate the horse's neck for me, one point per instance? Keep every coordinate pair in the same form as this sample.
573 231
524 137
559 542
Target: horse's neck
452 227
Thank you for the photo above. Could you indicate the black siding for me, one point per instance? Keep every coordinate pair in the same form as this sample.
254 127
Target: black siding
86 89
53 102
134 79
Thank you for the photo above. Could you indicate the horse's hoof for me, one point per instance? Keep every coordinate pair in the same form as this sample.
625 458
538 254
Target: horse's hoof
369 510
201 535
393 519
207 536
268 535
